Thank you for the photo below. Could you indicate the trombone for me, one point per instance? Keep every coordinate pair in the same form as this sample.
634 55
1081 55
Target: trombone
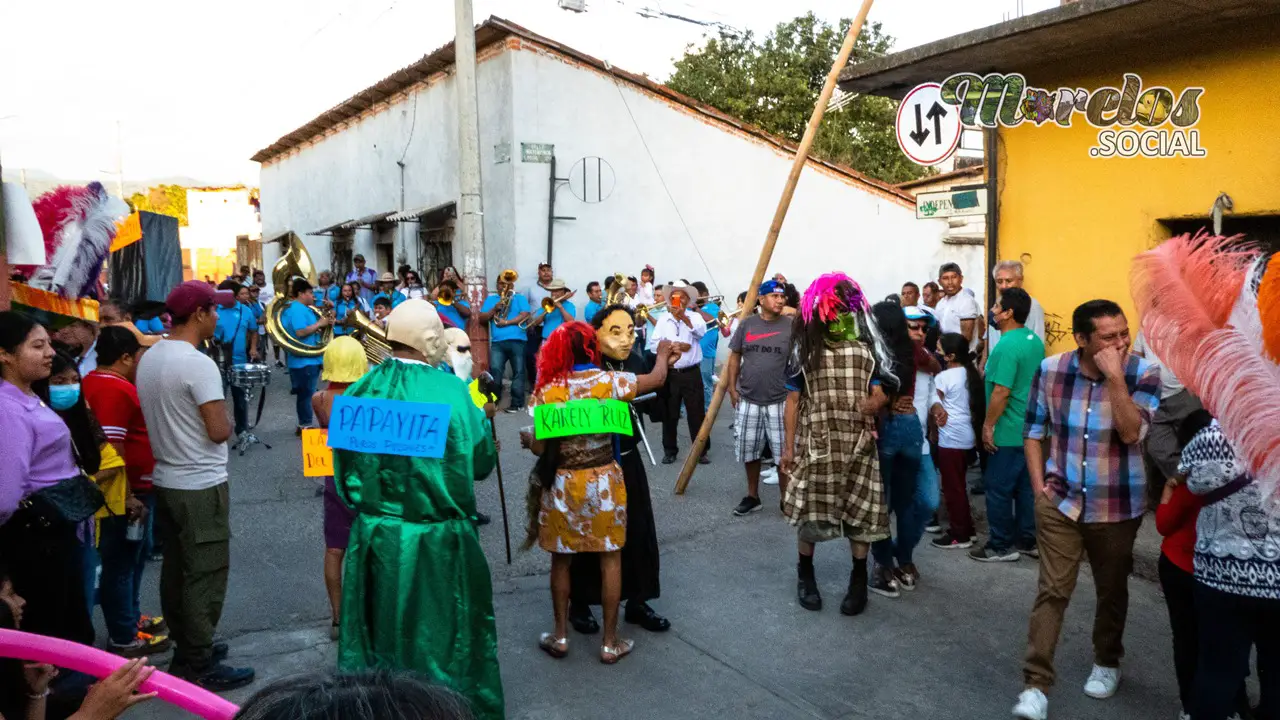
722 319
445 296
507 277
644 311
547 306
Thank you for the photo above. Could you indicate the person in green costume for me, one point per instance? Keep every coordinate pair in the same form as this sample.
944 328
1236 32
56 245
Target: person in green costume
417 593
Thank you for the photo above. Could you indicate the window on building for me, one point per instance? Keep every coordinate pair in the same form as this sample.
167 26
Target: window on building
435 242
340 252
1261 229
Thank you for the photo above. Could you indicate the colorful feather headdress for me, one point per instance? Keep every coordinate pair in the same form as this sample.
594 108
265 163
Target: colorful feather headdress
821 298
1210 309
78 225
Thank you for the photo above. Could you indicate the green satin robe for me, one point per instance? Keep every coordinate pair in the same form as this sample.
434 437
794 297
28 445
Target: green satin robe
417 593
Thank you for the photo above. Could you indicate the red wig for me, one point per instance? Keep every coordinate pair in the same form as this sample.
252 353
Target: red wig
570 344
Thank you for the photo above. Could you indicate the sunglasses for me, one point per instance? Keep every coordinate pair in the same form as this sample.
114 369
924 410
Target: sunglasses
464 348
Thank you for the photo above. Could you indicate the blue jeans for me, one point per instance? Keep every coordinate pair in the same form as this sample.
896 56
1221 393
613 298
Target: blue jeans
116 590
708 385
240 408
510 352
901 440
304 381
1011 505
928 494
89 565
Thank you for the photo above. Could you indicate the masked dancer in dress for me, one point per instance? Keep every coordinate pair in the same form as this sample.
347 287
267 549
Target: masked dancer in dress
580 492
829 452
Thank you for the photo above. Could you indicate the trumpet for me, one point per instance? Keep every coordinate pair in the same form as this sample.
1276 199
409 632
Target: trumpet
722 319
644 311
445 296
547 306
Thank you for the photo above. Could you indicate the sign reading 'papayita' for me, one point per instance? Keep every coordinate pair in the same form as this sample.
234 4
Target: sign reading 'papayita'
1129 117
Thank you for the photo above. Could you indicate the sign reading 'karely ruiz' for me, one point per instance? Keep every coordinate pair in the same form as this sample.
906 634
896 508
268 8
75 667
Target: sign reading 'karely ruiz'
993 100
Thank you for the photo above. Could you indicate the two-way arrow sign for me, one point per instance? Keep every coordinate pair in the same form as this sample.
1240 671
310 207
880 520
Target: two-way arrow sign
920 134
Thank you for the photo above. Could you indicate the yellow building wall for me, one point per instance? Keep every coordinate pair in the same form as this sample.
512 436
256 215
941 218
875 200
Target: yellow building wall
1077 221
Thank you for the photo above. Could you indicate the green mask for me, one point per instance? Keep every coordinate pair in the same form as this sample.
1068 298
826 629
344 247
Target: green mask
843 329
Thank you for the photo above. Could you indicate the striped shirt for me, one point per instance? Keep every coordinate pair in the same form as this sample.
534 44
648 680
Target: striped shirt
1090 473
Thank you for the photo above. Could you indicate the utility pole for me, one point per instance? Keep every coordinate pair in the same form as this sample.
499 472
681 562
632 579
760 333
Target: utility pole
470 229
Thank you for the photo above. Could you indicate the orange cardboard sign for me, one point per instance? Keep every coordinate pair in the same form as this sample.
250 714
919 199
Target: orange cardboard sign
317 458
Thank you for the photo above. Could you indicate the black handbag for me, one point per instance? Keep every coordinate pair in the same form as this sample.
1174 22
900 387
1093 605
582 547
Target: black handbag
73 500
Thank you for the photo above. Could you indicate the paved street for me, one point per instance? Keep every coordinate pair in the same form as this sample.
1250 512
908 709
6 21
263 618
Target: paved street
740 646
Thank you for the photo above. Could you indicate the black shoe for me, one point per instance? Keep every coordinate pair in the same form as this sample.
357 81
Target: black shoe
884 583
947 541
668 458
855 601
220 651
641 614
481 519
747 506
933 527
704 460
220 678
582 620
807 590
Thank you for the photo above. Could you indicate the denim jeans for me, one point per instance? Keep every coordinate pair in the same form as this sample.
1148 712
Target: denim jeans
1011 508
928 496
304 381
901 440
240 407
117 587
708 385
89 566
500 354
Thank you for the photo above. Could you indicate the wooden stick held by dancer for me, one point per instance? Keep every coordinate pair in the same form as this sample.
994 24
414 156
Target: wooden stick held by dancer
802 156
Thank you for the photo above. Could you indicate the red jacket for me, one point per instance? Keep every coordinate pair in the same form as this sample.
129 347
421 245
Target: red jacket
1176 521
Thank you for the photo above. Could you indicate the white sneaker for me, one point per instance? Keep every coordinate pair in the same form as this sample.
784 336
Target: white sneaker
1032 705
1102 683
1187 716
769 476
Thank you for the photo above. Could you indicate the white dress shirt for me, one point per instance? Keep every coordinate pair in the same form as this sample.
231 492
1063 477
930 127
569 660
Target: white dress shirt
669 328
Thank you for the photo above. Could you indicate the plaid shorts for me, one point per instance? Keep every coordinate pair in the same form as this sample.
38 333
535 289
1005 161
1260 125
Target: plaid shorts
756 425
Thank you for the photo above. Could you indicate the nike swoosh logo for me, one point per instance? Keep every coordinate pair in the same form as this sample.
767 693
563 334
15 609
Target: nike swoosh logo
753 338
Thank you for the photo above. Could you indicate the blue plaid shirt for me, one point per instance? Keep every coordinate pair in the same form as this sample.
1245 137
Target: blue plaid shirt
1089 472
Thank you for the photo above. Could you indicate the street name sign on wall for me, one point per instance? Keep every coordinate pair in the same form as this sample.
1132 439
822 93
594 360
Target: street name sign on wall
928 129
951 203
537 152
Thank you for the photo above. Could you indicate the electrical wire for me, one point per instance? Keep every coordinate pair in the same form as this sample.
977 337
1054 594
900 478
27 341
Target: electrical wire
674 206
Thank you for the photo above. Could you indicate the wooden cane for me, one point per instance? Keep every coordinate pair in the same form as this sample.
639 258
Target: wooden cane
502 493
802 155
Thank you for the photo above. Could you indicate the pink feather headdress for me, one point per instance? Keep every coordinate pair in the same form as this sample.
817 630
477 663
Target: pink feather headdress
821 299
1199 301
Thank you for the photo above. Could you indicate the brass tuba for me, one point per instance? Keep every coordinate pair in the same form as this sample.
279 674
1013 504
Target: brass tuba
507 277
295 262
618 292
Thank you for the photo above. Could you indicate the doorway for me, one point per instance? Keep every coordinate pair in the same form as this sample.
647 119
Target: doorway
1261 229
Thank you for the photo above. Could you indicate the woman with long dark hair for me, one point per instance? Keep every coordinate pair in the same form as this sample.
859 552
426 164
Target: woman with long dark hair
39 545
834 489
960 409
901 450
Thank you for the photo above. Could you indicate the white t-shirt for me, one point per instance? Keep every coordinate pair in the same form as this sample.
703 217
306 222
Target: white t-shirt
1035 323
174 380
952 309
953 387
923 400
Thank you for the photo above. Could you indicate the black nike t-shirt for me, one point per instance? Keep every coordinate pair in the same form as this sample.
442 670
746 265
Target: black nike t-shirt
764 345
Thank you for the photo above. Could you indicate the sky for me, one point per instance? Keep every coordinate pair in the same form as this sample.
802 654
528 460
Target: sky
194 88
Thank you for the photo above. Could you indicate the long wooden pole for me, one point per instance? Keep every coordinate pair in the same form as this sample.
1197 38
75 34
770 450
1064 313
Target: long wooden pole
802 155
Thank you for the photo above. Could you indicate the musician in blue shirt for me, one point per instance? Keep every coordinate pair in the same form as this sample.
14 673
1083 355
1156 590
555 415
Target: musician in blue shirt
507 338
456 309
348 300
300 321
595 301
238 329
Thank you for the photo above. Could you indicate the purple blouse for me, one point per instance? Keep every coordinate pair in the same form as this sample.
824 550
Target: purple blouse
35 446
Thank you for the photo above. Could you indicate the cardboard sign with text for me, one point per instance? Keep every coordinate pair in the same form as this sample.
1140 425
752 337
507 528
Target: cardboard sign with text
581 417
317 458
389 427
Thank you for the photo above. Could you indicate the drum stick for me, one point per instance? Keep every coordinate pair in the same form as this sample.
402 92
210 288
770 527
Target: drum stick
502 493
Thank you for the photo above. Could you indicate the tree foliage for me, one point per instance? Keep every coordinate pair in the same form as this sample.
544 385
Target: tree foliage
774 84
164 200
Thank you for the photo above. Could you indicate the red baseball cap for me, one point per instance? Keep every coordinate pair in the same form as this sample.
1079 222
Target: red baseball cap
192 295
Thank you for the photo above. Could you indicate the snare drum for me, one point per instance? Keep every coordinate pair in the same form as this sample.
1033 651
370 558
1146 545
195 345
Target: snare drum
250 375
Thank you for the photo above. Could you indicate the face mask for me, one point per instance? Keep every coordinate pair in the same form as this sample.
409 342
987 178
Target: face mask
461 363
64 397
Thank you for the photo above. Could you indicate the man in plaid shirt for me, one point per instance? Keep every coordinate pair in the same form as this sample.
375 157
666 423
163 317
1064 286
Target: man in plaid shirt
1092 407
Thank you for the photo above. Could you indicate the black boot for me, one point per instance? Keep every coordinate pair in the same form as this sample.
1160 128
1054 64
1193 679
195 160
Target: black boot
582 620
855 601
807 586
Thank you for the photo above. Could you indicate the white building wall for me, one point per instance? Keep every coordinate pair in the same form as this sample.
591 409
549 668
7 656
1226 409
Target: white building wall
724 184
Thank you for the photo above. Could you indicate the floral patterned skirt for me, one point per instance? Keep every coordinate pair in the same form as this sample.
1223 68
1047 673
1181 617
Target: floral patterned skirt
584 511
